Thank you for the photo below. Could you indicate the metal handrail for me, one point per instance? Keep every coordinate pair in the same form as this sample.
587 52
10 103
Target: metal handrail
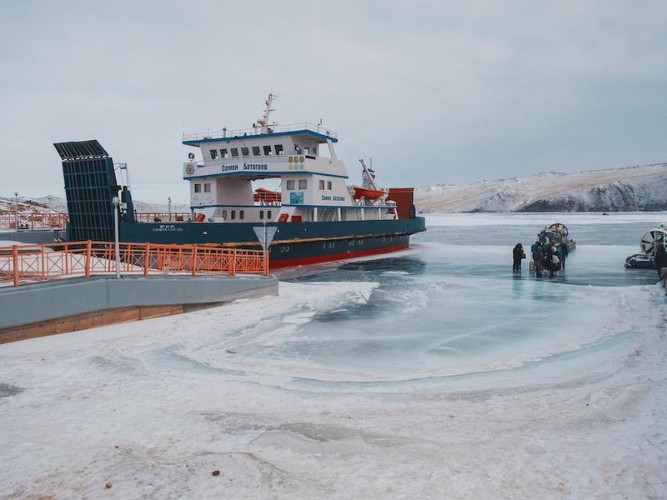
21 264
248 132
162 216
32 221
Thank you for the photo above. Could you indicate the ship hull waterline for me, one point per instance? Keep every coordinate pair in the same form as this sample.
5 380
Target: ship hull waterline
293 244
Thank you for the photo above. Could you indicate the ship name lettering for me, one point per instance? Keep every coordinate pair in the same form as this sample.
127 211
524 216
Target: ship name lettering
167 227
339 198
255 166
228 168
326 198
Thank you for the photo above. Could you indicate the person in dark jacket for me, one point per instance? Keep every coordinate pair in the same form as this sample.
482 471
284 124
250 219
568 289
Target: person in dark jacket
564 252
660 259
549 260
517 255
538 258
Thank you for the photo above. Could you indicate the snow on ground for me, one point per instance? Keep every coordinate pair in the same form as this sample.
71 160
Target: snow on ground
152 408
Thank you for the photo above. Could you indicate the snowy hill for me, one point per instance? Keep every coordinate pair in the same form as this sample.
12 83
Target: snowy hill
47 204
639 188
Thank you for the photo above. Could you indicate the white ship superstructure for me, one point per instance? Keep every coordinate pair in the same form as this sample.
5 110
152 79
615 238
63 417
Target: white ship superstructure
302 157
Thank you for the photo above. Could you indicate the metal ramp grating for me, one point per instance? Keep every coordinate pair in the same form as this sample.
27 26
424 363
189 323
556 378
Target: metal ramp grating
90 185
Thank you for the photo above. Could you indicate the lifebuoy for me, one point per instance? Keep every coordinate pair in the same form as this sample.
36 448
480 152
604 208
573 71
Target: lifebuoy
189 170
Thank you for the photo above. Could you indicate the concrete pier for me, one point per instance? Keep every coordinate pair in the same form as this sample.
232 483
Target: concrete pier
40 236
59 306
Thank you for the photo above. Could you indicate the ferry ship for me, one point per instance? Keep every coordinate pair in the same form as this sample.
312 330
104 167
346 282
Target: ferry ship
314 216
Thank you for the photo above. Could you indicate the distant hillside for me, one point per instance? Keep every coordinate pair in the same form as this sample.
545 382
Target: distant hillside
47 204
641 188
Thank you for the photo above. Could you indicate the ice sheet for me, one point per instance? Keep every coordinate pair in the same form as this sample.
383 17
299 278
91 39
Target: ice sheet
437 373
542 219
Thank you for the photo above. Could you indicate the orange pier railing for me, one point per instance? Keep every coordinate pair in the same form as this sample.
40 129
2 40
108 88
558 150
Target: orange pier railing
57 220
20 264
32 221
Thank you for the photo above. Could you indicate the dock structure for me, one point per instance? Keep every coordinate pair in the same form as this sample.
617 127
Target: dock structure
59 288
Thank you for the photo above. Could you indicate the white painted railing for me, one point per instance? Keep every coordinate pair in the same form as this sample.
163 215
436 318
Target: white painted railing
231 134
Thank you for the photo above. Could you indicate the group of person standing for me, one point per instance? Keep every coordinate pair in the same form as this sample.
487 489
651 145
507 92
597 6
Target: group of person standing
546 257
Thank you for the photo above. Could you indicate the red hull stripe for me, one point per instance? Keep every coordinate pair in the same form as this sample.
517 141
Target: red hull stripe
302 261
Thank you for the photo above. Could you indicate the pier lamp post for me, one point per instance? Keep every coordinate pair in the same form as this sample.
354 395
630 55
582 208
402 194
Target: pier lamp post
16 209
116 203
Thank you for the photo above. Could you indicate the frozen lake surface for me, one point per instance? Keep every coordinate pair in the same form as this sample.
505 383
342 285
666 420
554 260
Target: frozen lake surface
434 373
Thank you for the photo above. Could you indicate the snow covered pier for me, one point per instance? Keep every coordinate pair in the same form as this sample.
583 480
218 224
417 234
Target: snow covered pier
61 306
65 287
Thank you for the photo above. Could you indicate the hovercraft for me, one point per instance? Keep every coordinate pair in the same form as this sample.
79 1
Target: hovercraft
648 244
555 234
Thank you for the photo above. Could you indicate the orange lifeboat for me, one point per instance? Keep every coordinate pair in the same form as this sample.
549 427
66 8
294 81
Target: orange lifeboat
266 196
368 194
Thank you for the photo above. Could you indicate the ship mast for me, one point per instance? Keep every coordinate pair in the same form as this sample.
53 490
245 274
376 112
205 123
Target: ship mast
264 120
368 176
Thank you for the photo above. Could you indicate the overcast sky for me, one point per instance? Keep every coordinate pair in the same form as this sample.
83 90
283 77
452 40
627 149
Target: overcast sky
434 91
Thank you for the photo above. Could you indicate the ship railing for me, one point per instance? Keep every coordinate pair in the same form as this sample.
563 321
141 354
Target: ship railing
32 221
23 264
162 216
235 134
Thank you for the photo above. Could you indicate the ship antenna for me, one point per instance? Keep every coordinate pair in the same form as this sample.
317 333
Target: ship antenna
264 120
367 176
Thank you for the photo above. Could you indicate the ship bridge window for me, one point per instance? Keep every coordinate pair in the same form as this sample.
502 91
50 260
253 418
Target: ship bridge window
241 214
267 151
261 214
321 185
214 154
328 185
303 183
290 185
245 151
223 153
233 214
306 150
279 149
197 188
256 151
235 152
207 187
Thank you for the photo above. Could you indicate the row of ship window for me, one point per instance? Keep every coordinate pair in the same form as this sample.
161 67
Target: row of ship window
267 150
291 185
303 185
232 214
